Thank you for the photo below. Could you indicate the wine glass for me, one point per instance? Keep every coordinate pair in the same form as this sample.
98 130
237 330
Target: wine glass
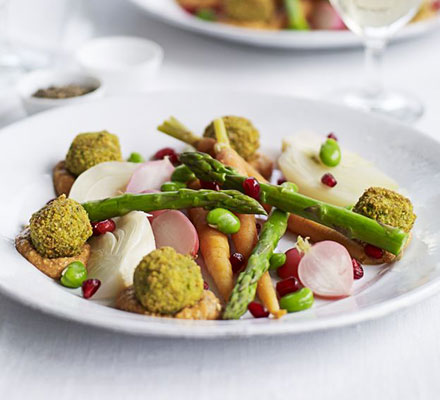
375 21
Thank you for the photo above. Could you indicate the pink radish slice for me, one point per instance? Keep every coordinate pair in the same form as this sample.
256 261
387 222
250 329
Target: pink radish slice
174 229
327 270
149 176
325 17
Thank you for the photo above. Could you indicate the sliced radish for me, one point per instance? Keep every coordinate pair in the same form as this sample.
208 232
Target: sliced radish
150 176
325 17
326 269
174 229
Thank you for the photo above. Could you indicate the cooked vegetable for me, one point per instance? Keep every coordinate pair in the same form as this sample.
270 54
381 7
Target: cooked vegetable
60 228
172 186
206 14
330 153
135 158
300 163
295 15
104 180
246 238
184 198
182 174
267 294
277 260
326 268
150 176
176 129
165 282
214 247
90 149
352 225
173 229
223 220
297 301
258 263
115 255
74 275
386 207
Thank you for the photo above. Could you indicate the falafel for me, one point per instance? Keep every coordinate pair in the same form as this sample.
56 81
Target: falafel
386 207
165 282
249 10
60 228
90 149
244 137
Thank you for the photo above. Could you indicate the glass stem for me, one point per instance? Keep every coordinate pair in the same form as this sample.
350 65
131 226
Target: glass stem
374 50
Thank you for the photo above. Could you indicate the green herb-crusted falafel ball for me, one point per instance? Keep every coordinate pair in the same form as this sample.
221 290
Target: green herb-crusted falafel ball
244 137
386 207
60 228
249 10
165 282
89 149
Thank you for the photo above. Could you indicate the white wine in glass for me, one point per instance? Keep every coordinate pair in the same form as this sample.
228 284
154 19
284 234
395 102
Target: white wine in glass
375 21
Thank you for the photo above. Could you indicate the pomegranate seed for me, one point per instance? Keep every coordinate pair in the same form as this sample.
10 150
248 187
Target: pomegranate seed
252 188
373 251
101 227
237 261
167 152
287 286
210 185
290 267
358 271
205 285
257 310
258 225
331 135
90 287
329 180
281 181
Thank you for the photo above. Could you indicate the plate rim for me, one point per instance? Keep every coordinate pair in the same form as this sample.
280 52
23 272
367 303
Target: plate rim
136 327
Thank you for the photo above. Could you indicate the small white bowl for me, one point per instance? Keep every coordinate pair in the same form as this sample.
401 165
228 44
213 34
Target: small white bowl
124 63
44 78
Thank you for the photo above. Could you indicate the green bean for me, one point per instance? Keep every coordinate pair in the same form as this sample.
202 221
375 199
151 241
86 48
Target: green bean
277 260
207 14
135 158
74 275
223 220
297 301
330 153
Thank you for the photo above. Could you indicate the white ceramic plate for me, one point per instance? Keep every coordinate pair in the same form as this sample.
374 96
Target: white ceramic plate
169 12
29 150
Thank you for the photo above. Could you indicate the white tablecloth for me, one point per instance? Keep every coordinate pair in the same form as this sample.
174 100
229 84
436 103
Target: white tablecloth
397 357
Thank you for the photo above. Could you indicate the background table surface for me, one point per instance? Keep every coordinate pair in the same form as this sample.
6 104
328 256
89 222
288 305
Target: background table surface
397 357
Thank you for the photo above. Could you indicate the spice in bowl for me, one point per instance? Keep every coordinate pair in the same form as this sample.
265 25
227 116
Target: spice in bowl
63 92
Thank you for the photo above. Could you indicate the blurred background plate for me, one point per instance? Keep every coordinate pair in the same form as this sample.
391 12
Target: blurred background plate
169 12
29 149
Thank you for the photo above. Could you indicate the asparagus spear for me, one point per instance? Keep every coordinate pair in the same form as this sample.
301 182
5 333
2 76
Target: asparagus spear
99 210
352 225
258 263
